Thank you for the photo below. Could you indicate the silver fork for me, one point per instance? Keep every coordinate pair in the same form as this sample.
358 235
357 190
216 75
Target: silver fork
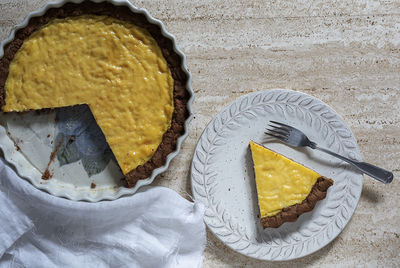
295 137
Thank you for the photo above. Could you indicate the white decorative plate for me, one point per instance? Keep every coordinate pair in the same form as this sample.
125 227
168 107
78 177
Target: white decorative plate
81 154
222 174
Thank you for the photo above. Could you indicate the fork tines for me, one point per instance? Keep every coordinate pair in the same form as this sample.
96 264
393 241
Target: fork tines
281 132
279 137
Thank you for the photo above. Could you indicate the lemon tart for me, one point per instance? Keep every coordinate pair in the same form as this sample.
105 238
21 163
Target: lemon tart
285 188
112 60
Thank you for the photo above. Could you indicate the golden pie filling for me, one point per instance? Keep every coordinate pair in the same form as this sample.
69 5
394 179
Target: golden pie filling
114 67
280 181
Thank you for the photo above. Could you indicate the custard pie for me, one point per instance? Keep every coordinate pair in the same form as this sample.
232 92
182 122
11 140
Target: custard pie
112 60
285 188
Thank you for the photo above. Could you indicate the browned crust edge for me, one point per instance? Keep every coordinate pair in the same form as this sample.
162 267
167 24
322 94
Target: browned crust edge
292 213
181 93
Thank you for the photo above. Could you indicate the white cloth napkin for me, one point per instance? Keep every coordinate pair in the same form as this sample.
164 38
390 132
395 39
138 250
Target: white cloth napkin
153 228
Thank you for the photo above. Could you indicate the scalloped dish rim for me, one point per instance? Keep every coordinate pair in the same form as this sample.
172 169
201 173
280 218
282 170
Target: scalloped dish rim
7 146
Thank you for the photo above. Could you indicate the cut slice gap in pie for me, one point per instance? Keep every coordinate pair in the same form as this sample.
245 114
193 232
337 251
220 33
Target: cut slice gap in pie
285 188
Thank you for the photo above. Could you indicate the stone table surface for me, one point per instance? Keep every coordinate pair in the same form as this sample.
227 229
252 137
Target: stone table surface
346 53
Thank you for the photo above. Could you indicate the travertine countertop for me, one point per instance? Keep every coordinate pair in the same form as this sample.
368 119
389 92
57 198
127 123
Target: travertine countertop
347 53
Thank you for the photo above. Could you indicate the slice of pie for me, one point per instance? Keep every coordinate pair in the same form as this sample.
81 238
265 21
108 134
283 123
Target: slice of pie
111 59
285 189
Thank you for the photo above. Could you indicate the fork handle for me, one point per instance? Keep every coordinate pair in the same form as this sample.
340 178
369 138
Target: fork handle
375 172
